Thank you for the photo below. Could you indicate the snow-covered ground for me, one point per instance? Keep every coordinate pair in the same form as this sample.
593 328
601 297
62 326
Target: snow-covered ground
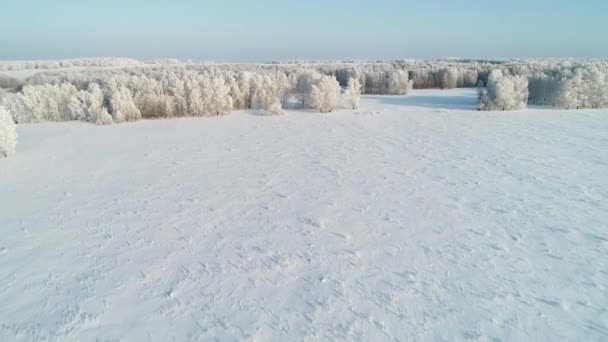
411 218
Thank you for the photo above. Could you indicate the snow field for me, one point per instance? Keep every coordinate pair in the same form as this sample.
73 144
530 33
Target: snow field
410 218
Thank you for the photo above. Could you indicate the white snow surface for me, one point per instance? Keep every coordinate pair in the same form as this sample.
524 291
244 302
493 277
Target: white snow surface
411 218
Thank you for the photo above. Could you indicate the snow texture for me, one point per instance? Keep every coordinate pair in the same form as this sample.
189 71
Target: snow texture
409 219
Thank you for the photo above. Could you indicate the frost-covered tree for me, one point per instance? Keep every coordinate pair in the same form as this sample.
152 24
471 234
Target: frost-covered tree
122 105
303 80
390 82
505 92
216 96
196 106
398 83
86 105
8 134
543 90
77 106
597 88
176 89
50 102
325 94
15 104
268 92
352 93
570 88
242 93
449 78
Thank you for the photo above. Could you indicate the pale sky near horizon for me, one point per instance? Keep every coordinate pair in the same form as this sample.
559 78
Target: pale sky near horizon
263 30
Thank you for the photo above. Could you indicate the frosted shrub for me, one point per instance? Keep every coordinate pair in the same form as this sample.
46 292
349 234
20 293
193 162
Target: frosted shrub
276 109
8 134
104 118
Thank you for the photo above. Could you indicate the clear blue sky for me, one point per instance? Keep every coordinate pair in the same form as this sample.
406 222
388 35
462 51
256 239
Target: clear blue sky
260 30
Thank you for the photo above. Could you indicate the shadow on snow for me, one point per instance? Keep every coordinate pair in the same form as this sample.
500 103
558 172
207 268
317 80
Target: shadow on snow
463 102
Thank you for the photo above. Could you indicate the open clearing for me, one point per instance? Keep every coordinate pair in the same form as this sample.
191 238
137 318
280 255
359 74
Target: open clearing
411 218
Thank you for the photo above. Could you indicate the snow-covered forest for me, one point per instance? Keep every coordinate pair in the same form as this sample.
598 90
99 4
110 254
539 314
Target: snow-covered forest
127 90
107 91
118 95
68 63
